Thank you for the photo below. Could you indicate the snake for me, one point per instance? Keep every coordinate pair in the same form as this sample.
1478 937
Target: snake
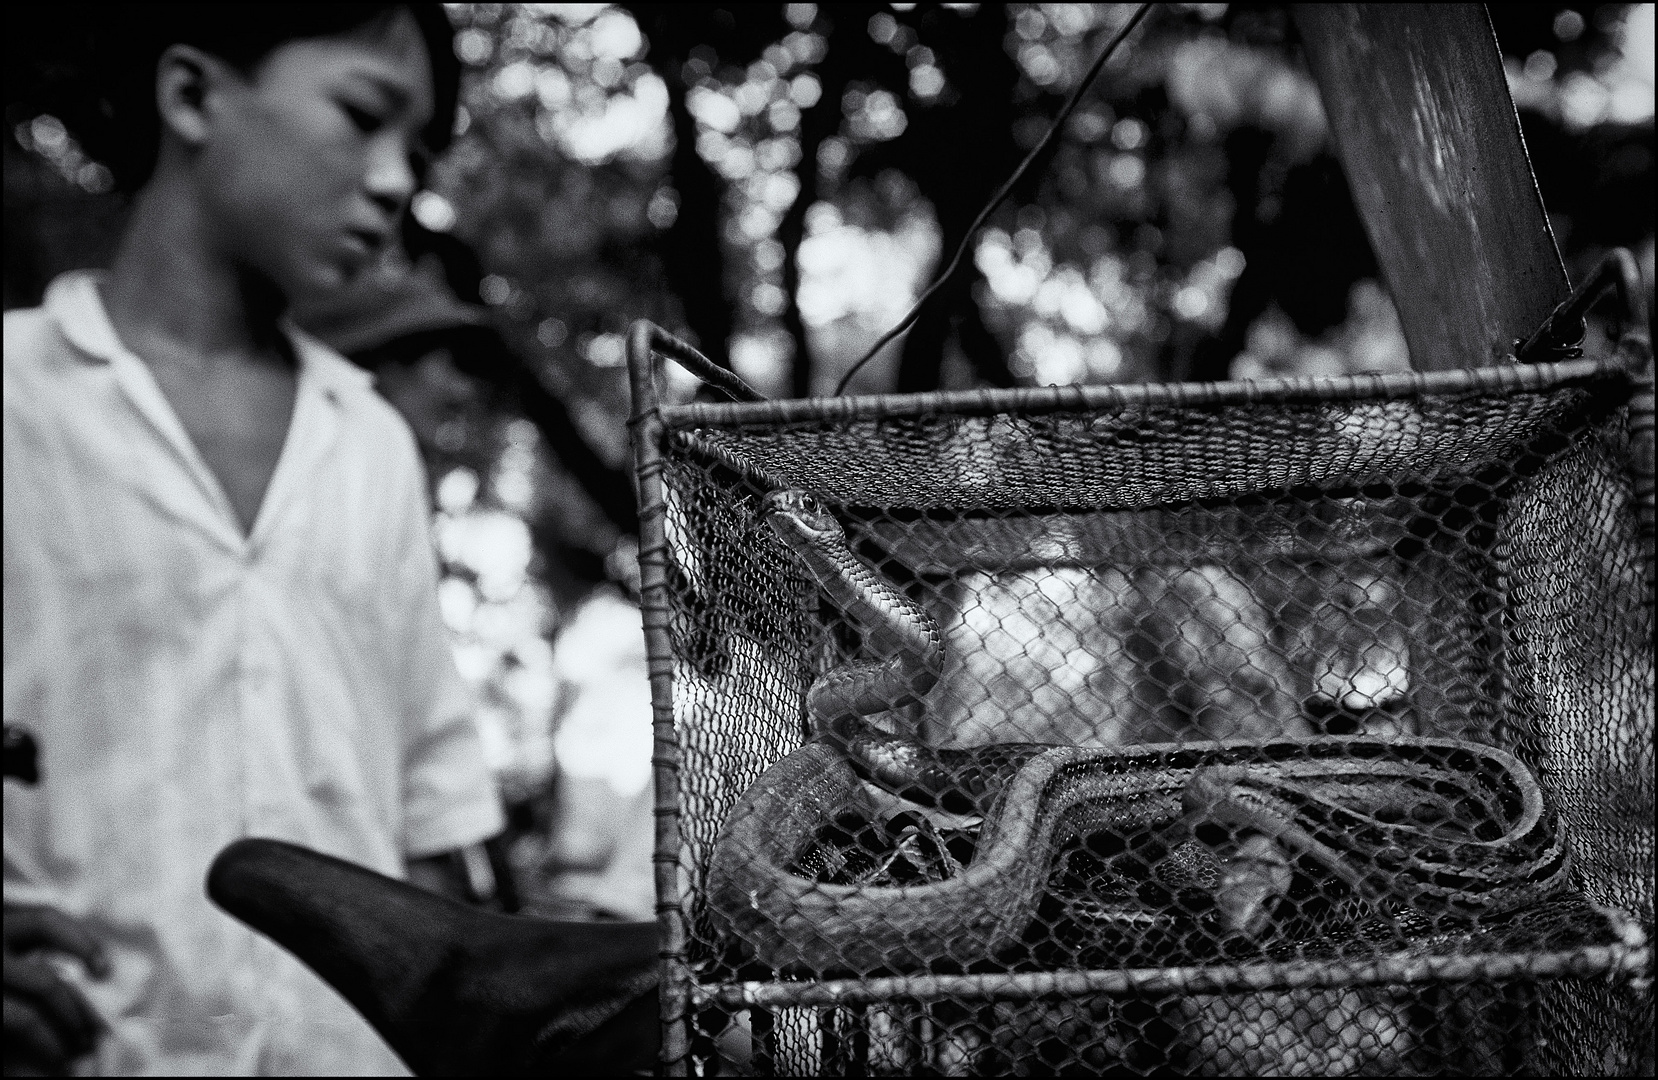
1431 826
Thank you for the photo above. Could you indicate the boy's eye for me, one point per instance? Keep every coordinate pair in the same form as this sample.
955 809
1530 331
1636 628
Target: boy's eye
366 122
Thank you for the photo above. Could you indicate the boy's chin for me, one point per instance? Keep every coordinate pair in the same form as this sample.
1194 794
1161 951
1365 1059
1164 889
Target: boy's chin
325 281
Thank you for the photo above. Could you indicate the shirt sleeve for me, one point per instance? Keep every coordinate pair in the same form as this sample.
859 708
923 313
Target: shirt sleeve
449 796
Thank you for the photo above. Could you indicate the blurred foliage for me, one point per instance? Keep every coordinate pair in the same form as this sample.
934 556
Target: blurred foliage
777 182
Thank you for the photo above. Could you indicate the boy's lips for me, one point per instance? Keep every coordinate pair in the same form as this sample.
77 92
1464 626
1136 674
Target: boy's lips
369 241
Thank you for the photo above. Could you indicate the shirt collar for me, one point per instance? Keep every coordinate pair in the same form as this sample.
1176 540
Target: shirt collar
73 302
76 305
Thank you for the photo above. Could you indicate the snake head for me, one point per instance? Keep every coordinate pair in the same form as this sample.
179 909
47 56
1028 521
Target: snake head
796 514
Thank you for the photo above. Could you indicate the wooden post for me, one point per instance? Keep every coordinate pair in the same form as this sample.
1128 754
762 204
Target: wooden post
1431 145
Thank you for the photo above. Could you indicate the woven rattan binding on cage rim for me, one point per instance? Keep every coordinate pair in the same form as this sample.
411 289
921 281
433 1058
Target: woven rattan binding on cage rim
1630 958
1625 380
1046 399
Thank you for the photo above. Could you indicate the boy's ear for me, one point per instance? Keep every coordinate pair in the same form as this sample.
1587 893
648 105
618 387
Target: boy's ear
184 77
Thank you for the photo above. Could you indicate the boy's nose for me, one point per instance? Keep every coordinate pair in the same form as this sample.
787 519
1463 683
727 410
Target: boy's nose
390 179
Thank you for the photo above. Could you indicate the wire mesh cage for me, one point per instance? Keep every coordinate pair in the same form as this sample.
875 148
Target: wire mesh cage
1301 727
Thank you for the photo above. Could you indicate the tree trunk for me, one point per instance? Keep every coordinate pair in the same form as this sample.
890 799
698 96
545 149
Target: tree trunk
817 123
692 259
958 153
1423 122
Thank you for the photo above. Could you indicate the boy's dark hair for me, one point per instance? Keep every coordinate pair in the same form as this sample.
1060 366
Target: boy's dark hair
94 66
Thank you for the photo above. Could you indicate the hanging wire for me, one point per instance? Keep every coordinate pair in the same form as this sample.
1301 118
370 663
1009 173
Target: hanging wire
1001 194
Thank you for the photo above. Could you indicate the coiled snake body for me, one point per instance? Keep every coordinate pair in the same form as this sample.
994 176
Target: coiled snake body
1442 826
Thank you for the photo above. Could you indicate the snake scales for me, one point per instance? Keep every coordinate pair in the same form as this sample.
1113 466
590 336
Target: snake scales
1441 826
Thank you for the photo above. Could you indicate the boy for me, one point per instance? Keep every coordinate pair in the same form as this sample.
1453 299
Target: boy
220 606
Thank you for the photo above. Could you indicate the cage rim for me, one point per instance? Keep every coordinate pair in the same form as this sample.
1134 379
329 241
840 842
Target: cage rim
1626 960
1615 370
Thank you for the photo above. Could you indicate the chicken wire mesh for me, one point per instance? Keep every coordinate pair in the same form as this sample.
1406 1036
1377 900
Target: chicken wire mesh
1256 728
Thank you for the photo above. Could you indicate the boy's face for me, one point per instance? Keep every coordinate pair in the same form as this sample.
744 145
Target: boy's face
306 165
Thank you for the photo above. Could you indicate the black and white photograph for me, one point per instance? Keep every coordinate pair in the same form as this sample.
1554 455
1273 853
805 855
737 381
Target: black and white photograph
829 539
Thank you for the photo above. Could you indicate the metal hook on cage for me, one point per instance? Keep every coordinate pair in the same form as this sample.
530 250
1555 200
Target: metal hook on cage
1561 334
648 339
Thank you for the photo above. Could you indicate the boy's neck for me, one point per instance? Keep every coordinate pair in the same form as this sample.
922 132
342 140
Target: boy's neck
174 298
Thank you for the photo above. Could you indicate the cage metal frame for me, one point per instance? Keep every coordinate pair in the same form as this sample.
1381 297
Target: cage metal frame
652 422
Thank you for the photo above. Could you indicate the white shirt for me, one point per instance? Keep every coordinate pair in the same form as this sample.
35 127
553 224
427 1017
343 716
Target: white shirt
189 685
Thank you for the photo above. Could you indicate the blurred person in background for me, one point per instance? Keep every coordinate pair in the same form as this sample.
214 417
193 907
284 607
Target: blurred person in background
578 843
220 612
601 827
